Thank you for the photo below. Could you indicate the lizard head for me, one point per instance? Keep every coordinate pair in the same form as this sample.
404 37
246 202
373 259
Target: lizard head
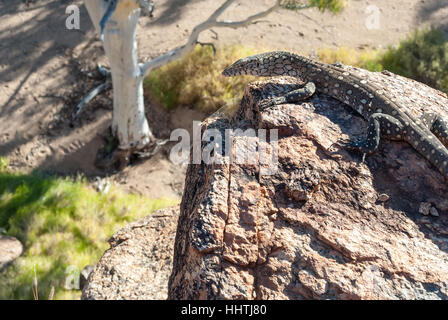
267 64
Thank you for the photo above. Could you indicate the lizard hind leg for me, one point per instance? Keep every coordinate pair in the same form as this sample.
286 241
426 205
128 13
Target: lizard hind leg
380 125
291 97
437 126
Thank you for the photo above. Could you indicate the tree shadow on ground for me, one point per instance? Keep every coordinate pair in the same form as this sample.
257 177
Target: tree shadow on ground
35 41
435 11
36 47
171 11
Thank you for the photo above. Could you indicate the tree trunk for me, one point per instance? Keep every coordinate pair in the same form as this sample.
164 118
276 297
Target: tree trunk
129 123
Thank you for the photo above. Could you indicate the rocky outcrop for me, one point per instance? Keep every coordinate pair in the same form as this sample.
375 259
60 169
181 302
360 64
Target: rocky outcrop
10 249
318 225
138 264
324 225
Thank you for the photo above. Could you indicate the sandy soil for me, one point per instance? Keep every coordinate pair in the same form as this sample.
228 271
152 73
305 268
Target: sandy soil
45 69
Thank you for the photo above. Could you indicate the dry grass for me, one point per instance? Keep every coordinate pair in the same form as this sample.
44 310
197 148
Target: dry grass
195 80
366 58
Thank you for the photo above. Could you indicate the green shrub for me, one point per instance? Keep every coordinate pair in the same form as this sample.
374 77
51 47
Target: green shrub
422 57
62 223
196 80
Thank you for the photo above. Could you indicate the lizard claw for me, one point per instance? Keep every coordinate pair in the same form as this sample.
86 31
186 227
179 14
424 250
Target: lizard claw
353 146
268 103
338 64
348 144
363 157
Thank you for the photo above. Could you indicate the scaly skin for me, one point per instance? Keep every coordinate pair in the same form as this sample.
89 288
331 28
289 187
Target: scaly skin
386 116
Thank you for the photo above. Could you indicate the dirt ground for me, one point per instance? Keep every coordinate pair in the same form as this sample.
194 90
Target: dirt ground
45 69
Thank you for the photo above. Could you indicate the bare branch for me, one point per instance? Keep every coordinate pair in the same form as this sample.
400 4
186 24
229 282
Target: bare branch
248 21
220 10
211 22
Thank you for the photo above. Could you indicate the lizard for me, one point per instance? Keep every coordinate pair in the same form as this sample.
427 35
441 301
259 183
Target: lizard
386 116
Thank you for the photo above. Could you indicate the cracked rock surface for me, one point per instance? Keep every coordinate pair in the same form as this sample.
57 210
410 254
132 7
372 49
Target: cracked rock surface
322 225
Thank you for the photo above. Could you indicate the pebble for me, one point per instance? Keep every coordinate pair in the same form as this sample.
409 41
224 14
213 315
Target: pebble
433 211
383 197
424 208
427 209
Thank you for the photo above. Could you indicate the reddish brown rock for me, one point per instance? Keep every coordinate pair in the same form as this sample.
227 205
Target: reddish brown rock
314 229
138 264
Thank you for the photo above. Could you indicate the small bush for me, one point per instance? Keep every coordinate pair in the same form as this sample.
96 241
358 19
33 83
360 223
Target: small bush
422 57
196 80
64 225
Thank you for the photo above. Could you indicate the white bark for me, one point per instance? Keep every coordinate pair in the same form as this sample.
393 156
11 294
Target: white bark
129 123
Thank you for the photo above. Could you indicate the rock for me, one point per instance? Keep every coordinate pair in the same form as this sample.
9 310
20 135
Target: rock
383 197
312 229
424 209
84 276
138 264
10 249
433 211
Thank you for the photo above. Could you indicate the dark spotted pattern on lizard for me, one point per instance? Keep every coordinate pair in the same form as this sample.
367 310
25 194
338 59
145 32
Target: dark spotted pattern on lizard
386 116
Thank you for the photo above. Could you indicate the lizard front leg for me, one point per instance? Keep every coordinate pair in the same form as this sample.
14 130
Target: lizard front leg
291 97
380 125
437 126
